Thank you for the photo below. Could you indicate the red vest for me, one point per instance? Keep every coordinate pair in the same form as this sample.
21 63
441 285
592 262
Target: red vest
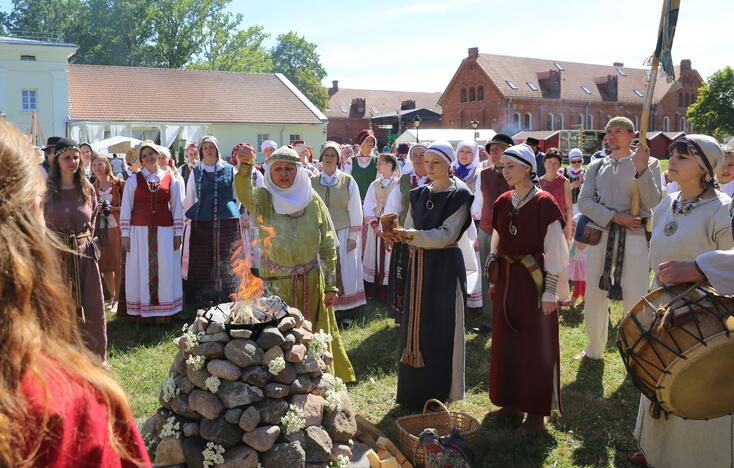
493 185
151 208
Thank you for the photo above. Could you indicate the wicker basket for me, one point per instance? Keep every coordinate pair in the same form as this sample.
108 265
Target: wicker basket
443 421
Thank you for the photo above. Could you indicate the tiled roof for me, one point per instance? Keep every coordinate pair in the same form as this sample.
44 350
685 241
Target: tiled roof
517 76
379 102
110 93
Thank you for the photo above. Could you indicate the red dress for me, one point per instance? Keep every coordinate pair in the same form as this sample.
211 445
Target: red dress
557 188
525 352
76 435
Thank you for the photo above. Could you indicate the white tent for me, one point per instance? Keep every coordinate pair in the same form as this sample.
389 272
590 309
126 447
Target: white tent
452 135
123 142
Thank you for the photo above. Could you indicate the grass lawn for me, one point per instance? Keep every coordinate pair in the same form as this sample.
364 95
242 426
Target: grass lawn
599 401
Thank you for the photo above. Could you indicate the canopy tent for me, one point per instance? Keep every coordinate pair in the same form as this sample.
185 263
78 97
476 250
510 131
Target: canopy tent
115 144
452 135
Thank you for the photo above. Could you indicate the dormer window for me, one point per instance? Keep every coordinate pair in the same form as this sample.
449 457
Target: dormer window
638 92
27 58
511 84
558 66
621 72
532 86
585 89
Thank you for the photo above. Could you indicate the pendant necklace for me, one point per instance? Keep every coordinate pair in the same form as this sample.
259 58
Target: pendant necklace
681 207
512 228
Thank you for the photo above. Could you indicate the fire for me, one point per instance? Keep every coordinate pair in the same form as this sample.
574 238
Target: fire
251 287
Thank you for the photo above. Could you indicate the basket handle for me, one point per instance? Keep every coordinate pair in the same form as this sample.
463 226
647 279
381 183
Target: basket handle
440 405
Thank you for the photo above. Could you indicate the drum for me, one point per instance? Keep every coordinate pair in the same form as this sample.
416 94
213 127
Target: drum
678 346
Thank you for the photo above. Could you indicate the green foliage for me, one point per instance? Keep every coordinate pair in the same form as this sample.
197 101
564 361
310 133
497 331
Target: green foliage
713 111
297 59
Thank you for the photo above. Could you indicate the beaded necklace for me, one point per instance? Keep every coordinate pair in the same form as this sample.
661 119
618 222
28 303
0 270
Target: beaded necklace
682 207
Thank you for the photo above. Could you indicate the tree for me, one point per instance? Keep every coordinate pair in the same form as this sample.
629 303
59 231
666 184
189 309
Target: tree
713 111
45 19
297 59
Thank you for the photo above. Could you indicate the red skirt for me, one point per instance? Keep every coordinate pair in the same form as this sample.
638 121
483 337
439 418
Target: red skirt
203 273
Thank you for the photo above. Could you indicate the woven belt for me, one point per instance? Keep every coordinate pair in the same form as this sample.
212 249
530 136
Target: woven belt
293 273
74 241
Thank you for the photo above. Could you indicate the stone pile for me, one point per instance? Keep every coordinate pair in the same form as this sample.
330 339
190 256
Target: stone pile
243 398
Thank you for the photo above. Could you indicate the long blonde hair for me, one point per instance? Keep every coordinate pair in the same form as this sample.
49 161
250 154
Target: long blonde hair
38 314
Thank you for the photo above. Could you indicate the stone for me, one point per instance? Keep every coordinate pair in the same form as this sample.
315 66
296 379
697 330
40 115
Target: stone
328 358
169 452
224 369
262 438
286 324
220 432
235 394
239 457
233 415
312 407
214 328
290 340
270 337
210 350
206 404
359 456
216 315
308 325
297 315
273 353
240 334
297 353
298 436
256 375
190 429
150 427
184 384
200 312
323 384
198 377
302 384
200 324
180 405
287 375
276 390
316 374
289 455
272 411
216 338
318 445
341 449
341 424
299 333
244 353
179 363
250 419
193 452
310 364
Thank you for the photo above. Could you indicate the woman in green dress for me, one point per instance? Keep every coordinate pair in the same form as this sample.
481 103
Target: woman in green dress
298 243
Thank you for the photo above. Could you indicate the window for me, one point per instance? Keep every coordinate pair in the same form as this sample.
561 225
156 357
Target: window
472 96
27 58
260 138
682 124
343 108
294 137
28 98
511 84
480 93
621 72
516 121
549 121
528 121
580 119
558 66
375 110
463 94
532 86
560 124
666 124
585 89
589 122
638 92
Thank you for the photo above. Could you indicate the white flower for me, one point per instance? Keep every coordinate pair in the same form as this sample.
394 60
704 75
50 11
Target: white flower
293 421
340 387
191 337
332 402
341 461
212 383
196 362
171 428
213 454
169 389
319 344
277 365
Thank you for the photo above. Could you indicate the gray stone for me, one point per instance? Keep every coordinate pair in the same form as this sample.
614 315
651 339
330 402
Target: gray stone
302 384
262 438
318 445
250 419
206 404
308 325
191 429
328 358
323 384
297 353
224 369
198 377
235 394
359 456
272 411
179 363
290 455
216 338
215 328
193 452
286 324
244 353
287 375
150 427
299 437
200 324
180 405
211 350
312 407
184 384
169 452
290 340
220 432
242 334
239 457
233 415
297 315
341 449
273 353
310 364
276 390
256 375
341 424
270 337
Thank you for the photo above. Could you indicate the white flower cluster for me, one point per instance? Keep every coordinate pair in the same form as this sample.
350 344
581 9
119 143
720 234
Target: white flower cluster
212 383
191 337
169 389
171 428
213 454
277 365
293 421
196 362
340 386
333 402
342 461
319 345
150 441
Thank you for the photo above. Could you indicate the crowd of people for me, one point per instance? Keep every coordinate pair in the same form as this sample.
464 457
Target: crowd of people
435 232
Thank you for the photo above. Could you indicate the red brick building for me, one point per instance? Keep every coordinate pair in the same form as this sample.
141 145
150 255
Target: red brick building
351 110
511 94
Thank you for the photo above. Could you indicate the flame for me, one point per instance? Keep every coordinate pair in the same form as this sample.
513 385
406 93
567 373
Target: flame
251 287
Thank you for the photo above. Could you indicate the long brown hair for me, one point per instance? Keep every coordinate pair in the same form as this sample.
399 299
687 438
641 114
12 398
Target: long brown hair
80 181
38 314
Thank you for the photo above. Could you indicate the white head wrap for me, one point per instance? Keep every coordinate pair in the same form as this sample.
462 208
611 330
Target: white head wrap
412 147
475 151
294 198
268 144
575 153
443 149
524 154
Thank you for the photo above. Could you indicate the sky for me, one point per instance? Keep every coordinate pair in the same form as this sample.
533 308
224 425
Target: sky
417 45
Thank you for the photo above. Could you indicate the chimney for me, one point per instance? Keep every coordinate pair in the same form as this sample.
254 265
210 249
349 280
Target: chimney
408 104
334 88
618 64
473 52
685 65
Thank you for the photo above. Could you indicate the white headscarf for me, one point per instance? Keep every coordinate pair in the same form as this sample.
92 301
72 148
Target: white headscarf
475 150
294 198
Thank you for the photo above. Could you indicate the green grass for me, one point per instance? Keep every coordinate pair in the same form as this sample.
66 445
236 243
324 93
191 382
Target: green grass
599 401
